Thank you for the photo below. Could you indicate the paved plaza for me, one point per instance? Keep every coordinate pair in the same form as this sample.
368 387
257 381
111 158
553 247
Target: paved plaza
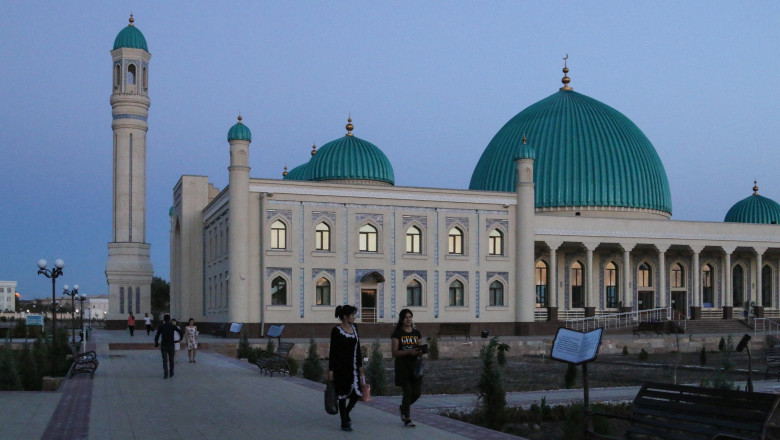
226 398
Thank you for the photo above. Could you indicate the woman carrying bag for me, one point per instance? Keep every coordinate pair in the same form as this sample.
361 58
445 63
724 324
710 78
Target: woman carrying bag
345 363
407 352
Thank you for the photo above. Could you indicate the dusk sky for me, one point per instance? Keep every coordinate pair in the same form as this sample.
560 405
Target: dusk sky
429 83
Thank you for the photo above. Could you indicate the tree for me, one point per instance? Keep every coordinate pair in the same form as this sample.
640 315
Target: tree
161 296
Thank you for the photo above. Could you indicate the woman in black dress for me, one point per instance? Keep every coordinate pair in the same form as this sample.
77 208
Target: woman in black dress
345 363
406 349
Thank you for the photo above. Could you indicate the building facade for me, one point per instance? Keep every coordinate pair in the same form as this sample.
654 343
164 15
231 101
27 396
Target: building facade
567 215
7 296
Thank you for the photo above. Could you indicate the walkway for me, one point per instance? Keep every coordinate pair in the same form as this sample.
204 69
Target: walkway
222 397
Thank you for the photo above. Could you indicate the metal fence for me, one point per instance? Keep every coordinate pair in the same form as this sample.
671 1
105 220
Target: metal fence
618 320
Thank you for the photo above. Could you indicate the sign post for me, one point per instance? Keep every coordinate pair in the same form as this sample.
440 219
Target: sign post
577 348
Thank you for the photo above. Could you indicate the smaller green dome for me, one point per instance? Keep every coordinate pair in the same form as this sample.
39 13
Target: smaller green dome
525 151
239 132
754 209
130 37
301 172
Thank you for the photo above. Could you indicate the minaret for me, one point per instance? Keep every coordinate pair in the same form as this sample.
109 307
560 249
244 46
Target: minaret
129 269
239 137
525 299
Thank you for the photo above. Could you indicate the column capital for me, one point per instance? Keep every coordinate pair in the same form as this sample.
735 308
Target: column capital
628 247
696 249
760 250
590 245
553 244
662 247
728 249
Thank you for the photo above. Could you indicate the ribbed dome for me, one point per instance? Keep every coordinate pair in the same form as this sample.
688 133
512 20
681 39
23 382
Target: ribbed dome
587 155
754 209
301 172
239 132
130 37
350 158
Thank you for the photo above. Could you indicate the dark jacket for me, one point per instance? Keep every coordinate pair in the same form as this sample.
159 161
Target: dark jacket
166 330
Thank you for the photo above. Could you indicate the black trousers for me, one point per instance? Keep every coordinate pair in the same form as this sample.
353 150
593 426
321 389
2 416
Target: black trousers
132 329
412 389
148 329
167 356
345 408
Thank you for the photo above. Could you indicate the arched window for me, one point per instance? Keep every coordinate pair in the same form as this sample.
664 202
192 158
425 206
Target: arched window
131 74
496 293
278 235
577 296
738 285
456 293
707 293
413 236
677 276
540 277
766 286
323 292
496 243
279 292
368 239
121 300
414 293
610 286
322 237
145 80
455 241
129 300
644 276
117 76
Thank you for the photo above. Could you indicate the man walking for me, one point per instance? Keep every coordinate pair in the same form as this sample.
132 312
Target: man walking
167 348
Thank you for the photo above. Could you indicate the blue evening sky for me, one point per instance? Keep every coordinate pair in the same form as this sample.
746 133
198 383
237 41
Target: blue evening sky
429 83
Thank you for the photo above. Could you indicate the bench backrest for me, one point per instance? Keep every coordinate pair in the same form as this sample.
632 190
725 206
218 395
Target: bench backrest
284 348
667 411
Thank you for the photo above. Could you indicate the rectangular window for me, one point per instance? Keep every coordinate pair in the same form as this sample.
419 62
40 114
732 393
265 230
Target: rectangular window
414 294
323 295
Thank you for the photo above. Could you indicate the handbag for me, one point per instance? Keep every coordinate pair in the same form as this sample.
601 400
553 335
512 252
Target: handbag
331 403
419 368
365 389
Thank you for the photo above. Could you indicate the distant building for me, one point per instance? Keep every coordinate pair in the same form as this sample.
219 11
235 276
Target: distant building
7 296
96 307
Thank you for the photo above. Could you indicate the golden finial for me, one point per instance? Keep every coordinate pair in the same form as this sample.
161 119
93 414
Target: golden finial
284 173
755 188
131 19
314 149
349 127
239 119
565 80
525 141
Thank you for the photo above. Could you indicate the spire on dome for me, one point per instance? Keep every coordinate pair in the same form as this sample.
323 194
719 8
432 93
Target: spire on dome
314 149
349 126
565 80
131 19
755 188
284 173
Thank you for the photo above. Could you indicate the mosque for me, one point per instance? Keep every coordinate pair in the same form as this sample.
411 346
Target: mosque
567 216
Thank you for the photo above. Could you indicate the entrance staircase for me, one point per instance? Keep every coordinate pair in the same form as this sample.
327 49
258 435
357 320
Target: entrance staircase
717 326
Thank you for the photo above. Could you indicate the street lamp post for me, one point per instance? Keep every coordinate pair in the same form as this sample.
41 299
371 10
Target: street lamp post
81 300
73 293
52 273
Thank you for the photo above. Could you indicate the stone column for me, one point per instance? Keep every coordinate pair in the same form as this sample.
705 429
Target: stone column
759 309
664 300
728 306
591 296
552 308
696 288
628 293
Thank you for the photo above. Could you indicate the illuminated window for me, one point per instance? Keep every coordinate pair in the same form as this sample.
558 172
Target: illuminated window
610 285
644 276
368 239
540 276
677 276
577 297
278 235
323 292
455 241
413 235
496 243
322 237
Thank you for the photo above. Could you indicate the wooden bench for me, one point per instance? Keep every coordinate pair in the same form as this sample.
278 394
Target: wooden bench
681 412
455 329
276 361
83 363
772 362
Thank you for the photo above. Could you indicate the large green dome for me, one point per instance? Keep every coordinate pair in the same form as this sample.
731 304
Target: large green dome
301 172
754 209
587 155
350 158
130 37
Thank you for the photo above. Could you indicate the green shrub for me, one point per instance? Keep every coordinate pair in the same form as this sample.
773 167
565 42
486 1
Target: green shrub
703 356
722 344
30 372
570 377
625 351
375 372
293 364
492 396
271 347
546 409
501 351
253 355
643 356
20 329
433 347
243 346
312 367
9 371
